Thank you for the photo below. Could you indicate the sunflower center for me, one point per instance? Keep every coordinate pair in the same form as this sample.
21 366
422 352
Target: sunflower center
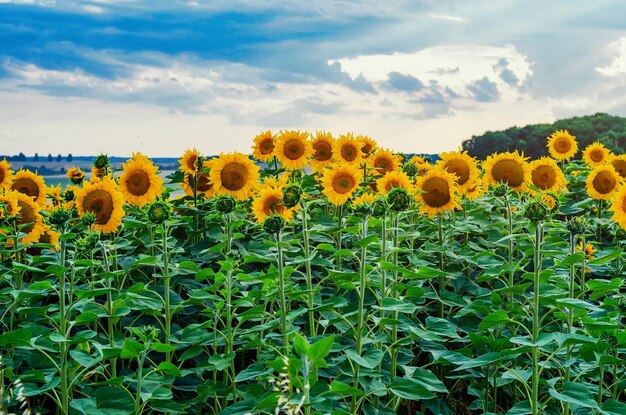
138 183
234 176
203 183
294 149
391 183
273 205
266 146
436 192
508 171
343 183
366 149
597 155
604 182
323 151
562 145
619 165
459 168
100 203
2 175
349 152
383 165
27 215
26 186
192 162
544 177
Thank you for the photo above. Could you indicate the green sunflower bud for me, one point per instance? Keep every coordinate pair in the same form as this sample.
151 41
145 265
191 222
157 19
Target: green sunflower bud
536 211
69 195
501 190
291 196
59 217
88 219
379 207
577 225
225 204
158 212
101 162
273 224
398 199
88 241
410 169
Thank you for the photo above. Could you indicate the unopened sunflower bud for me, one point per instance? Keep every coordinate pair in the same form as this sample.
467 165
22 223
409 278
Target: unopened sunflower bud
101 161
88 219
551 201
577 225
225 204
68 195
59 217
291 196
500 190
536 211
158 212
273 224
87 242
410 169
379 207
398 199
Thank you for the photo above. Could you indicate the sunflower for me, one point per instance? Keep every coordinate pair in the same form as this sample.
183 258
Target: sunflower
49 236
363 199
348 149
263 148
339 183
54 193
234 174
417 160
475 190
104 200
509 168
550 200
98 173
596 154
189 161
368 146
384 161
322 147
588 249
618 207
140 182
75 174
269 202
204 186
8 205
293 149
29 218
437 192
462 165
619 163
562 145
546 175
391 180
6 174
30 184
273 182
603 182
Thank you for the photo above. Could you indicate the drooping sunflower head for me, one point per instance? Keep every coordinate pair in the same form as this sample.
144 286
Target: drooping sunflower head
384 161
550 200
234 174
339 183
322 147
368 145
510 168
29 219
30 184
105 201
603 182
48 236
619 164
97 173
140 183
190 161
263 148
562 145
475 191
546 175
269 202
462 165
618 207
293 149
393 179
596 154
203 184
437 192
6 175
75 175
348 149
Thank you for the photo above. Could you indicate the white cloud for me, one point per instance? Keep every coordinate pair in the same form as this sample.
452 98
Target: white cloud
618 64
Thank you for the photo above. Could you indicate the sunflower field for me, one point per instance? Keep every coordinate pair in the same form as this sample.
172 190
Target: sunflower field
341 279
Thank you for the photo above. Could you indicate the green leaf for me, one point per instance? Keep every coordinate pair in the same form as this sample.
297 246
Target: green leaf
370 359
113 399
131 349
343 389
300 344
610 257
483 360
221 361
19 337
170 369
613 407
497 318
253 371
427 379
163 348
410 389
576 394
320 349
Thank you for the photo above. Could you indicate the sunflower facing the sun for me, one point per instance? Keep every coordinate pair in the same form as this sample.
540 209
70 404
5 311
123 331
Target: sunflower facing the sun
269 201
293 149
6 175
322 147
339 183
30 184
596 154
29 219
393 179
546 175
619 164
618 207
368 145
384 161
348 149
140 182
462 165
234 174
263 147
437 192
510 168
189 162
8 205
105 201
562 145
603 182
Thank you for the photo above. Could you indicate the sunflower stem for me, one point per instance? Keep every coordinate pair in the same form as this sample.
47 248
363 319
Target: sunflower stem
442 280
309 273
166 293
570 314
281 293
394 332
535 329
339 235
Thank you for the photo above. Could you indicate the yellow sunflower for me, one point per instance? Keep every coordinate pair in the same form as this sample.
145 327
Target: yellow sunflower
562 145
104 200
322 147
263 148
49 236
234 174
6 174
293 149
204 186
54 193
98 173
140 182
475 191
271 182
549 200
596 154
462 165
269 202
619 163
509 168
603 182
437 191
393 179
30 184
618 207
417 160
348 149
29 218
424 168
339 183
546 175
8 205
384 161
363 199
75 174
189 161
368 145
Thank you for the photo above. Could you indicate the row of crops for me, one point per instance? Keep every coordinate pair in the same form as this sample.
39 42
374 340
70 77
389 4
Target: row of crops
342 279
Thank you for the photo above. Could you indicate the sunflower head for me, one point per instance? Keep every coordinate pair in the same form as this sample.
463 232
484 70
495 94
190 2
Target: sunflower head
201 181
437 192
398 199
54 193
384 161
618 207
619 164
273 224
546 175
348 149
293 149
340 182
75 175
105 201
30 184
596 154
603 182
9 208
410 169
536 211
234 174
29 220
462 165
6 174
393 179
322 150
368 145
59 217
380 207
140 183
562 145
363 204
577 225
268 203
159 211
292 195
551 200
225 204
101 161
263 148
191 162
509 168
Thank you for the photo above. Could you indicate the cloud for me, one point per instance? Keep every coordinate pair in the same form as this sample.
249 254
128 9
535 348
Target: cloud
406 83
484 90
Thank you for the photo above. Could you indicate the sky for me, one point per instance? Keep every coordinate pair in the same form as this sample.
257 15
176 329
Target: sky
118 76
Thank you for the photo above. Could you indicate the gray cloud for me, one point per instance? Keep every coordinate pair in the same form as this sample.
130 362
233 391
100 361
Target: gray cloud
484 90
406 83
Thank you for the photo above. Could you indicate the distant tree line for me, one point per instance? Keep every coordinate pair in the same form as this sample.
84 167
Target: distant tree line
22 157
531 139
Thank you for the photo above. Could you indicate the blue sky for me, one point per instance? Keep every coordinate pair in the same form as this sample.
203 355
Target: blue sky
119 76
